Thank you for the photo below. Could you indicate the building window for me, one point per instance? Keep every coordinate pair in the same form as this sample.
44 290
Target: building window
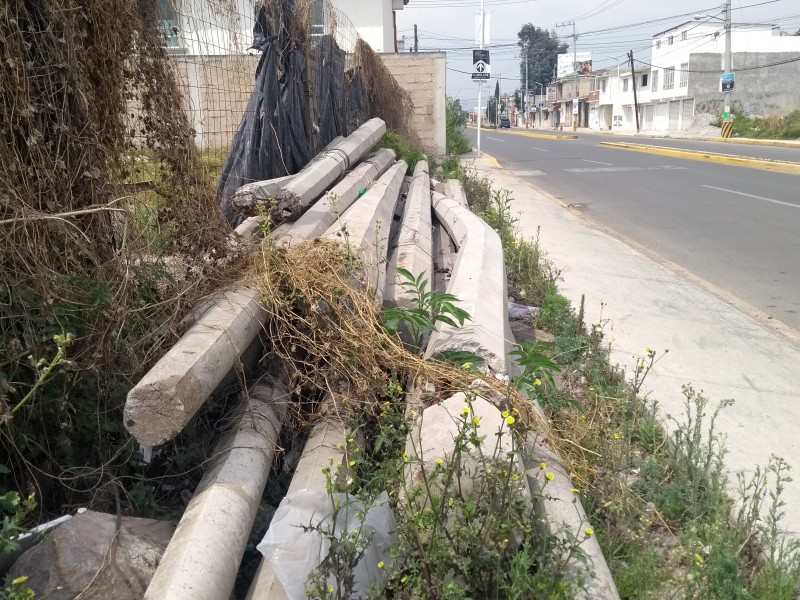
669 78
658 44
644 82
169 24
625 84
603 84
669 41
654 86
685 36
684 75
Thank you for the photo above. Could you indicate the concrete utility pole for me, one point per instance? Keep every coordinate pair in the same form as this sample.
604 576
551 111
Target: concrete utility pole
416 39
635 97
574 36
728 56
525 101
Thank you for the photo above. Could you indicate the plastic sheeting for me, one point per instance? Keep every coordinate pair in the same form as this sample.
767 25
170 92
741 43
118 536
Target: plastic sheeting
271 140
356 107
329 62
294 553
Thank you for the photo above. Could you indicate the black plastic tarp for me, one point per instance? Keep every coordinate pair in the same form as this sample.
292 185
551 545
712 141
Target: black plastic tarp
271 140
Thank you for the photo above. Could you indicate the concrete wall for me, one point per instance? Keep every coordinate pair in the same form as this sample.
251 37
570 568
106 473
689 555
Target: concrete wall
423 76
766 91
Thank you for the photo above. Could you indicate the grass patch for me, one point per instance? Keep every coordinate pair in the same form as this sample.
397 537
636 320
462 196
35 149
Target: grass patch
774 127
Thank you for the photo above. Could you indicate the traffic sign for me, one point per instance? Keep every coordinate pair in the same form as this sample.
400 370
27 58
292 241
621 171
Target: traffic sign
726 81
481 65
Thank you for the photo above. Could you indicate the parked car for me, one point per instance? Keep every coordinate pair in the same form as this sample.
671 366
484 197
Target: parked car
504 122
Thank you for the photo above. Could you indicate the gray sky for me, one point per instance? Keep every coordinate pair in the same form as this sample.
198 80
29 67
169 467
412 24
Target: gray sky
444 24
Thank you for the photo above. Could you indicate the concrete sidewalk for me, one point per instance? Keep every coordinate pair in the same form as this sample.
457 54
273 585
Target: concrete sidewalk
712 345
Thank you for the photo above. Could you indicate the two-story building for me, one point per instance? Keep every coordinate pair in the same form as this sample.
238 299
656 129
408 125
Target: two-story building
681 78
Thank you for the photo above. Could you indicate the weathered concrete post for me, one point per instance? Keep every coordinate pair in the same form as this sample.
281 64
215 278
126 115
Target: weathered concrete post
319 175
367 224
172 392
203 557
414 250
322 214
479 282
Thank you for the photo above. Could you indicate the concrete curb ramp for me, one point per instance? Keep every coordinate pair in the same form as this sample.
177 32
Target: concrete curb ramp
539 136
730 159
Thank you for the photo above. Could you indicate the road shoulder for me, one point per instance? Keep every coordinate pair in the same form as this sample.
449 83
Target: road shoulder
713 345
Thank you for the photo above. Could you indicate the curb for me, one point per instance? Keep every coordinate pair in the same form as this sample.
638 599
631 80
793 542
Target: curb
741 161
750 141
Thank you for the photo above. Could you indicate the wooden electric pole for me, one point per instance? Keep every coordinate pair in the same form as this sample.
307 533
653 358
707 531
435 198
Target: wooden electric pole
635 97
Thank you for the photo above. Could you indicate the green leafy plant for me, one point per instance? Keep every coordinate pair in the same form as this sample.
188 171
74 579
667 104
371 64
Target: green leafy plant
536 379
428 308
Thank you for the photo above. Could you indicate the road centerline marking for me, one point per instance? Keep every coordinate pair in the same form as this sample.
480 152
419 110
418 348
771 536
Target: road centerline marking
713 187
597 162
540 149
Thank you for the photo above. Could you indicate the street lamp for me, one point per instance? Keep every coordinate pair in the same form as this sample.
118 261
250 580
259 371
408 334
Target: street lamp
727 20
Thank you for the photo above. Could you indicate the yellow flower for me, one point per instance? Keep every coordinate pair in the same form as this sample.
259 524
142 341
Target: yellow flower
439 462
515 477
510 420
466 366
380 565
405 457
505 414
330 589
575 491
589 532
352 463
465 410
403 579
542 466
550 477
537 382
450 503
698 559
20 580
616 436
476 421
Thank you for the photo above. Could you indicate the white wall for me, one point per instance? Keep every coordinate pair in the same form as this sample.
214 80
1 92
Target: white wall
373 21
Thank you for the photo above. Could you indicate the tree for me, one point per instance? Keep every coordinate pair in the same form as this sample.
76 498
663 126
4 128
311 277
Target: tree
543 50
496 101
491 109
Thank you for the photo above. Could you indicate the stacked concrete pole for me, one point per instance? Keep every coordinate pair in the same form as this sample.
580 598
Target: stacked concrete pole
203 556
319 175
364 227
170 394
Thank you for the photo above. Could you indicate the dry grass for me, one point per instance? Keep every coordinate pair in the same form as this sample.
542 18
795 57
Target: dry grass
325 323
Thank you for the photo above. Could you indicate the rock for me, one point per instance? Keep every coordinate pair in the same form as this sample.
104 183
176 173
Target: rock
521 311
78 558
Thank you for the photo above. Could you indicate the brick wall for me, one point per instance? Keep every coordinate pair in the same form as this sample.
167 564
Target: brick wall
423 75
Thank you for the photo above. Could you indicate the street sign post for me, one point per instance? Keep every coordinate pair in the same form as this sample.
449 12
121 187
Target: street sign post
481 65
726 81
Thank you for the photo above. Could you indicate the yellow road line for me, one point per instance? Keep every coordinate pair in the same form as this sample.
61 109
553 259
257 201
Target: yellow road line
741 161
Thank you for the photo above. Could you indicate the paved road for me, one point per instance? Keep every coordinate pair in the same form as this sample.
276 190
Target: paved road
735 227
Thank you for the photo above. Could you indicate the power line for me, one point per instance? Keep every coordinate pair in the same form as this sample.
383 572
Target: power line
718 71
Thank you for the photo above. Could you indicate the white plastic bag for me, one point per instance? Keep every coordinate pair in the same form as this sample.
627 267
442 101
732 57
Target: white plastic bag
293 553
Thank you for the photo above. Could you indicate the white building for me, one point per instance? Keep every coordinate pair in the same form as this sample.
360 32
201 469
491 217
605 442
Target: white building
667 86
374 20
